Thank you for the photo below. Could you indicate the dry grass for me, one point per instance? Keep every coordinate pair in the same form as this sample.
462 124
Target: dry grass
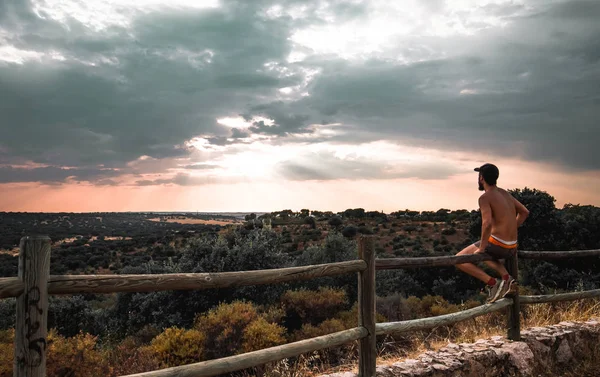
490 325
12 252
395 349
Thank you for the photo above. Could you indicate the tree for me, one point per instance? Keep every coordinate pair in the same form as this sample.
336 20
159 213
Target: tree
335 221
349 231
310 221
357 213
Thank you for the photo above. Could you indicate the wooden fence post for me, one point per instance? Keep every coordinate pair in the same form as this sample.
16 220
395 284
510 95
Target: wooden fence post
514 311
32 308
367 362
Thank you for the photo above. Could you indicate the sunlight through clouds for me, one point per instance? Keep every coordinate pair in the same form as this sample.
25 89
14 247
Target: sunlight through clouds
101 14
187 94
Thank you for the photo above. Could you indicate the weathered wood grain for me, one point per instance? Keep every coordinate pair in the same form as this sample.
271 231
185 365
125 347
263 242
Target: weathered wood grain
550 255
69 284
441 320
256 358
513 314
560 297
367 363
32 308
10 287
397 263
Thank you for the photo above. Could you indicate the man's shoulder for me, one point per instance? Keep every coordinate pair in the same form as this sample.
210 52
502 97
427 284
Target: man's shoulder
484 197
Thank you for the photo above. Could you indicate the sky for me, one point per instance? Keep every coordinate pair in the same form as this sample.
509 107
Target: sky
263 105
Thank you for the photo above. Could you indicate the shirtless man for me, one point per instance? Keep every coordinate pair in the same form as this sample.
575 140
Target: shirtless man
501 215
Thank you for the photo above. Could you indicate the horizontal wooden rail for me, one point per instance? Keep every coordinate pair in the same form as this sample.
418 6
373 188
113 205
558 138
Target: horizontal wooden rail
560 297
558 254
440 320
71 284
255 358
11 287
451 260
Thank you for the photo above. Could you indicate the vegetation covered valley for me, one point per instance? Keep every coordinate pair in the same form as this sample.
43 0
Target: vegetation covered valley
111 335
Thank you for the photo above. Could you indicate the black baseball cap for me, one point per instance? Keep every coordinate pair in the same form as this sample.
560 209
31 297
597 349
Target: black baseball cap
489 172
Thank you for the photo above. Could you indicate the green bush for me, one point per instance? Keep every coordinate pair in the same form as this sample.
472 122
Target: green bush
261 334
224 327
312 307
176 346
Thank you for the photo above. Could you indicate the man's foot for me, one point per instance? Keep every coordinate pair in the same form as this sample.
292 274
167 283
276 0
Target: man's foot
494 292
511 286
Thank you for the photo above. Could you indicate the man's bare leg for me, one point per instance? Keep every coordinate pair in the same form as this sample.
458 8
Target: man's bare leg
470 268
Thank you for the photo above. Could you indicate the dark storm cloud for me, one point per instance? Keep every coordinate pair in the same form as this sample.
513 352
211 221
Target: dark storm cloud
122 94
530 91
53 174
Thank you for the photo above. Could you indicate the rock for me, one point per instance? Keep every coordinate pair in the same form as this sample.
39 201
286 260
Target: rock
441 367
384 371
340 374
563 353
476 369
541 351
521 356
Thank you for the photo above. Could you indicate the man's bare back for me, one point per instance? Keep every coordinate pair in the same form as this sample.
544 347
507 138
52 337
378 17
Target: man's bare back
504 213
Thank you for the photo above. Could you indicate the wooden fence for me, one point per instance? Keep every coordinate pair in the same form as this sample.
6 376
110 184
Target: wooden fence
34 284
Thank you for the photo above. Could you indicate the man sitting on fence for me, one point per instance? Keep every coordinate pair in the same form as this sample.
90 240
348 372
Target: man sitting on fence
501 215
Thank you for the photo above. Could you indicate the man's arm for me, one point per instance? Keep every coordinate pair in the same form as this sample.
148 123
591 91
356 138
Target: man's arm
486 222
522 212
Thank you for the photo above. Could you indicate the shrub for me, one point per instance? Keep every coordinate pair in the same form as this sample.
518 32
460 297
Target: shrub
326 327
306 306
129 358
239 327
176 346
75 356
7 348
429 306
449 231
224 327
262 334
335 221
349 231
409 228
8 308
366 230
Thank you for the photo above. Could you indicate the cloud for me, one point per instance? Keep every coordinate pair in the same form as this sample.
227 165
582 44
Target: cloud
89 97
183 179
200 166
52 174
325 166
122 93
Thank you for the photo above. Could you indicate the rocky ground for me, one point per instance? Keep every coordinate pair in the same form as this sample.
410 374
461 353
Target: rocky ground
541 351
